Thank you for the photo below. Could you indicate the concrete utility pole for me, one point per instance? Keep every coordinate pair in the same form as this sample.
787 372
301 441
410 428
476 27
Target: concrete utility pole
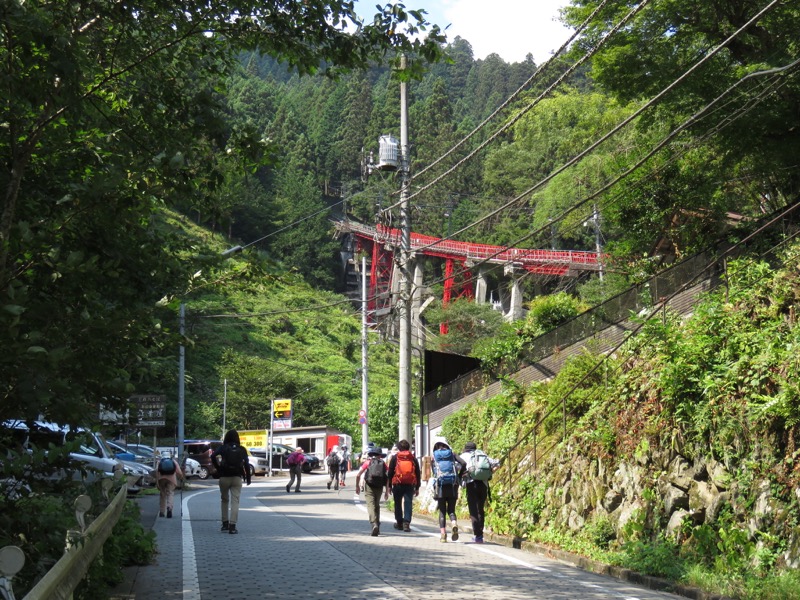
404 301
181 378
364 348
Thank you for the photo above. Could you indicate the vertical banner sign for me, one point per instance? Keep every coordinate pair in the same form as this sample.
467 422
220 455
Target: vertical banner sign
282 413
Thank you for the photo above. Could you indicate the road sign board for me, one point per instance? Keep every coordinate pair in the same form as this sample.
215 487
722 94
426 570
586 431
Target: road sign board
150 409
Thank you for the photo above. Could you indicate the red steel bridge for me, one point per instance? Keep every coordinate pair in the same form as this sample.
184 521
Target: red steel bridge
380 243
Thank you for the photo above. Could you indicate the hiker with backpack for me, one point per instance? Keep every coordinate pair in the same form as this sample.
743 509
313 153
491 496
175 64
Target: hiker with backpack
344 466
334 461
448 469
404 481
232 464
295 462
476 483
375 475
167 474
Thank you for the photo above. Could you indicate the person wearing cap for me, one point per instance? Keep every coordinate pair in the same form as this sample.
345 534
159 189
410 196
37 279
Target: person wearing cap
371 472
477 492
295 461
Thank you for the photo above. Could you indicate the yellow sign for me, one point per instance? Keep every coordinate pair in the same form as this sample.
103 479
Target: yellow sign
283 405
253 438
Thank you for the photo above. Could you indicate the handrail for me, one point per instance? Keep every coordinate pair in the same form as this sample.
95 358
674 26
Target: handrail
60 582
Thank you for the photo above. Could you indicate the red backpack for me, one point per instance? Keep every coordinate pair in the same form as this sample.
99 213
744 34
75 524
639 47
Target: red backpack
405 472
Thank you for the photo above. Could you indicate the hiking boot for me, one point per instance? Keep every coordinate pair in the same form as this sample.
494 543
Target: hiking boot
455 532
443 539
406 526
329 485
336 487
478 539
225 526
169 513
397 526
160 514
297 491
376 530
287 489
232 528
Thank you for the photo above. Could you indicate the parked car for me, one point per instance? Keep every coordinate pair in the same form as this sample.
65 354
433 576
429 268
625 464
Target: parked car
201 451
279 454
258 464
191 468
121 452
144 454
92 452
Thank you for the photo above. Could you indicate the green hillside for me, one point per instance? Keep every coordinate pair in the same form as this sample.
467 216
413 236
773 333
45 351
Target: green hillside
264 329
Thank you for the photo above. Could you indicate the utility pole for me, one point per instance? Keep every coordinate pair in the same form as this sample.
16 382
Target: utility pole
364 347
597 241
404 302
181 377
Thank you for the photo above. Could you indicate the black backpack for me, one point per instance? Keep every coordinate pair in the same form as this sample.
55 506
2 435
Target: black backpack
166 466
231 459
376 473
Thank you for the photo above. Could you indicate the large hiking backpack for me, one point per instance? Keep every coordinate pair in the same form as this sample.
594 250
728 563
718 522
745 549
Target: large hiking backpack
376 473
445 464
479 466
231 460
405 472
166 466
333 461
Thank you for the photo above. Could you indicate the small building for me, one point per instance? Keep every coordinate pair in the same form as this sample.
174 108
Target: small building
315 439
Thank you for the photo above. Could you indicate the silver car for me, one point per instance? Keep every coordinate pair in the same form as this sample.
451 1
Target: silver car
92 450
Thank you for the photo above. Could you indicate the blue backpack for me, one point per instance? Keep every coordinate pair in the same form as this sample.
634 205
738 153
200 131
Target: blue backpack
445 466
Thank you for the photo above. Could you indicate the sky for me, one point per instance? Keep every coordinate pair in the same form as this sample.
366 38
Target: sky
510 28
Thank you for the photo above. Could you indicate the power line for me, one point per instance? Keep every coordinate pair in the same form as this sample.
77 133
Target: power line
707 57
536 101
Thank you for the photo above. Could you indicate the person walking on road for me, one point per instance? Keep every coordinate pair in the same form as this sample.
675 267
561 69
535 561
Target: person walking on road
167 475
231 462
476 483
333 460
404 481
447 471
344 466
295 461
375 477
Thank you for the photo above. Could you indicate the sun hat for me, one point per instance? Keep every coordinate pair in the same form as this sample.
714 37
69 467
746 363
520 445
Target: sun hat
375 451
470 446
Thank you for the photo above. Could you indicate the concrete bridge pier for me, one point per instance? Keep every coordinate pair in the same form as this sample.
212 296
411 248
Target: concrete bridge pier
481 286
515 312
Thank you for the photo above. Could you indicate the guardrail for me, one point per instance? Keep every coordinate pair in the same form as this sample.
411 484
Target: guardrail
83 546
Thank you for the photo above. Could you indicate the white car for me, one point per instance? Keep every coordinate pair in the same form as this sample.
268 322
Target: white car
191 468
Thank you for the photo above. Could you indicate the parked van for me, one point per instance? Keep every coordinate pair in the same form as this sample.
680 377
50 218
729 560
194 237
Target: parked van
93 452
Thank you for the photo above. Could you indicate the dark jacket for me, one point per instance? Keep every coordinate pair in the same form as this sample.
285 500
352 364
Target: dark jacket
225 455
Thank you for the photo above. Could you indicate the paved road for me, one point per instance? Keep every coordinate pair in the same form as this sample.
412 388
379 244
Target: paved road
317 544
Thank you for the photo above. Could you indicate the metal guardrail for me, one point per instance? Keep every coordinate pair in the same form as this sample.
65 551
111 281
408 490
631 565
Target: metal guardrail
83 546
